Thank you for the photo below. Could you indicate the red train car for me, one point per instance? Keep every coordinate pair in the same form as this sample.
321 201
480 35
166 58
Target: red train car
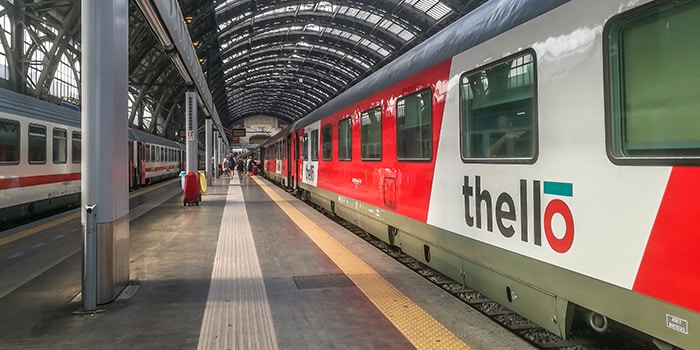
542 153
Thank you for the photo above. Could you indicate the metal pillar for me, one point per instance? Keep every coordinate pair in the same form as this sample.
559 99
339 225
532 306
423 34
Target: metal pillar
217 153
105 189
192 136
208 124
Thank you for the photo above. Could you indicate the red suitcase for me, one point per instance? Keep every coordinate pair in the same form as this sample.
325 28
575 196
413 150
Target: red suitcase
192 191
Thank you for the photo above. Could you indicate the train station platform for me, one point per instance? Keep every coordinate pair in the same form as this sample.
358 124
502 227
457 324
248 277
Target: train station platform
252 267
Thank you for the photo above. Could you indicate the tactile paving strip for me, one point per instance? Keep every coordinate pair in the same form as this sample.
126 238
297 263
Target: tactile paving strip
237 314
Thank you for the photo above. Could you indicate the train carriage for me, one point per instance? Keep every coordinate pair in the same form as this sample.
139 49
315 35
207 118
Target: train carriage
40 157
544 153
158 158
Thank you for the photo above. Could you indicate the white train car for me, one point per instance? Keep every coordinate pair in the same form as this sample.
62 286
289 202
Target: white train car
39 156
153 158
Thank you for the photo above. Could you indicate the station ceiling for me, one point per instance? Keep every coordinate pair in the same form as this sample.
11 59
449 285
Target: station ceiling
286 58
278 58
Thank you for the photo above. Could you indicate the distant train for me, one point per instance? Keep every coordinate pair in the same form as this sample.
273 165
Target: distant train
544 153
40 157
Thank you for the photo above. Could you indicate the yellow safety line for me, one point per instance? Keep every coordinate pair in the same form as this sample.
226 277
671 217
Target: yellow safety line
421 329
48 225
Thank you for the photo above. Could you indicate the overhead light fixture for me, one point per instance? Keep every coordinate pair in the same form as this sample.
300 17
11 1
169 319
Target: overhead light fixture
181 68
155 22
188 19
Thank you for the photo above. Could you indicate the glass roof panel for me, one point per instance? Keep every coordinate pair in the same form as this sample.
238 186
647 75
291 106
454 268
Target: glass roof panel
432 8
263 52
439 11
348 11
326 7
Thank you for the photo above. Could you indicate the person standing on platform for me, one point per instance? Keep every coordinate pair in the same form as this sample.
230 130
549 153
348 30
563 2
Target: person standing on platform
249 166
231 162
240 167
225 166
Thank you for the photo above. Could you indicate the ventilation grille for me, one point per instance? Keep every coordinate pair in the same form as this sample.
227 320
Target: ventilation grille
322 281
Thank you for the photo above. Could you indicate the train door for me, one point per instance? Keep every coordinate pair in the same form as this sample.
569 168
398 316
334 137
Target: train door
298 162
132 165
140 163
290 161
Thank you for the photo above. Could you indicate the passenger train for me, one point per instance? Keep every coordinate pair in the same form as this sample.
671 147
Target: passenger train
40 157
544 153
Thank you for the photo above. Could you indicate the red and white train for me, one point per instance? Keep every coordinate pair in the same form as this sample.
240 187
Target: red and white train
545 153
40 157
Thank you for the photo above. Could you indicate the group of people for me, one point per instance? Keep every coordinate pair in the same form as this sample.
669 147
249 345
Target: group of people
247 167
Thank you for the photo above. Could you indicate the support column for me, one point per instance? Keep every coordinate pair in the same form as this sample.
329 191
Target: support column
192 135
16 60
217 153
208 124
105 188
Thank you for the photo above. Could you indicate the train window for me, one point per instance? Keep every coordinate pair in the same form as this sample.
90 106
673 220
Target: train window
371 136
345 139
60 146
148 153
37 144
414 126
327 139
305 147
75 147
9 141
314 145
497 114
654 111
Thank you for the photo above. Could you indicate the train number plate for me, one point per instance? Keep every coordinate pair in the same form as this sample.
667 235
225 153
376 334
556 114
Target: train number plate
677 324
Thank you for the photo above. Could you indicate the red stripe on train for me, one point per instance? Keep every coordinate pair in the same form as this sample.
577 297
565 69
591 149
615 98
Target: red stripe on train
27 181
669 269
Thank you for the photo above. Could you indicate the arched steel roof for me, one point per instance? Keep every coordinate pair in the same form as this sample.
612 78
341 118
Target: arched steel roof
280 58
287 58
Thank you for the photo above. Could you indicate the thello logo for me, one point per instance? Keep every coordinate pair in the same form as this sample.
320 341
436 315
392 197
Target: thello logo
507 214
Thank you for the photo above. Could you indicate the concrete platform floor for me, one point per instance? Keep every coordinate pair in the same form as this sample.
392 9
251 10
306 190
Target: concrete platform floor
175 254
